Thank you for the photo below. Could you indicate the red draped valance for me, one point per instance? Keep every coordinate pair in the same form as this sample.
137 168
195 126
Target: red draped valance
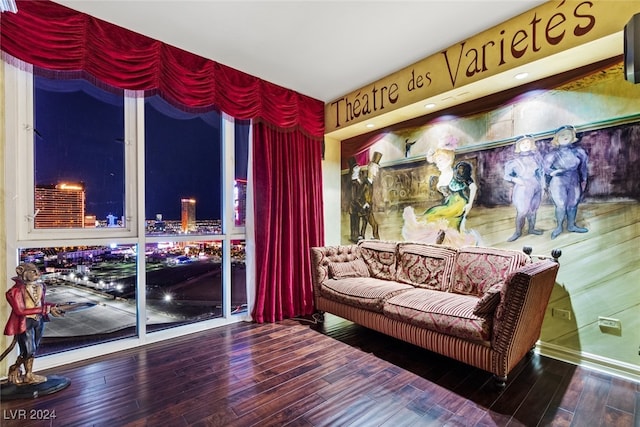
54 37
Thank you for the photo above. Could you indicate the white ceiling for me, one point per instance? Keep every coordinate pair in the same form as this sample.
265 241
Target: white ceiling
323 49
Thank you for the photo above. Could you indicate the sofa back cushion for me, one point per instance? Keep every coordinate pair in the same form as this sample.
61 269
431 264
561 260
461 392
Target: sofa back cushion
380 257
477 269
425 265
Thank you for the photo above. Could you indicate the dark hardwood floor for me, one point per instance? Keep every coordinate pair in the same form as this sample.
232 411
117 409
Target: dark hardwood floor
296 373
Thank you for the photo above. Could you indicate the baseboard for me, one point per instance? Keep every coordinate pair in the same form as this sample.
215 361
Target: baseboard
591 361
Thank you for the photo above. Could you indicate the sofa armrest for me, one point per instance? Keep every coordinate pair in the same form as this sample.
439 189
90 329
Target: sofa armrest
321 256
518 318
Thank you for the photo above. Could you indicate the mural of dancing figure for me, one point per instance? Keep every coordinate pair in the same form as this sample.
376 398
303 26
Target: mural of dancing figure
459 195
446 222
443 159
366 198
525 171
566 167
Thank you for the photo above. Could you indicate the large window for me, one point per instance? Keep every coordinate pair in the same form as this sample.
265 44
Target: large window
79 167
241 148
238 277
130 207
99 282
183 170
184 283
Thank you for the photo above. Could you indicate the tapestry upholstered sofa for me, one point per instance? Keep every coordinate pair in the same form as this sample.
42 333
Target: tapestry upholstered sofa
482 306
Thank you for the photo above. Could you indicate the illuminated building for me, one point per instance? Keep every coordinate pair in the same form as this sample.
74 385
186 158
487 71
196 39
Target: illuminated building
159 226
240 202
89 221
59 206
188 215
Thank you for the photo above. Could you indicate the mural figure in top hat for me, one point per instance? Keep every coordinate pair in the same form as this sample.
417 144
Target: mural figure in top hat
355 207
527 175
566 167
366 198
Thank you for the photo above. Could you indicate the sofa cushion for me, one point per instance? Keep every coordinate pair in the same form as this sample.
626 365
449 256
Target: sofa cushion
425 265
476 268
380 257
443 312
355 268
363 292
489 301
322 256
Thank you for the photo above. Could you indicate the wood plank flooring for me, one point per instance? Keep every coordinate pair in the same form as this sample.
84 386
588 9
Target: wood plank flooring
296 373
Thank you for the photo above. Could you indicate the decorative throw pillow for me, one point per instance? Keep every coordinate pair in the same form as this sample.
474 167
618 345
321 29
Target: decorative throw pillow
355 268
380 257
476 268
489 301
425 265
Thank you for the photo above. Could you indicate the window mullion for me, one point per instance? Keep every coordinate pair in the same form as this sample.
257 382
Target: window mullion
228 164
135 127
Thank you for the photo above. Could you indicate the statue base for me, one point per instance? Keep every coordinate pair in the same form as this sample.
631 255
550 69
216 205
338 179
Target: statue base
53 384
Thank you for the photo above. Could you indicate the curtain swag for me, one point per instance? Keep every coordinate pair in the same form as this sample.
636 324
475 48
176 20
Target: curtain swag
55 38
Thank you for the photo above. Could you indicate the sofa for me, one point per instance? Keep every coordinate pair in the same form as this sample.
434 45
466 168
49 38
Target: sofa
481 306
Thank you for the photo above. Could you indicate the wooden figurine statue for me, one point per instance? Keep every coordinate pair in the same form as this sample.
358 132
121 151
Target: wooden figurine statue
29 311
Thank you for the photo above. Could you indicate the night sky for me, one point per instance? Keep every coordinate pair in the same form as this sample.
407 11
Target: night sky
80 139
183 160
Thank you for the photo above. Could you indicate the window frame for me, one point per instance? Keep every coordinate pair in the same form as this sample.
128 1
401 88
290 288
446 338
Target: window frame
19 207
25 178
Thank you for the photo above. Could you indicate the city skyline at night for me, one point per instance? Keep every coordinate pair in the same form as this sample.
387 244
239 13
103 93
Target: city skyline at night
79 138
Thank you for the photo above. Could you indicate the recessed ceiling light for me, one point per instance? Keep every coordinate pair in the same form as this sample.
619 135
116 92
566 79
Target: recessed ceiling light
429 105
521 76
370 125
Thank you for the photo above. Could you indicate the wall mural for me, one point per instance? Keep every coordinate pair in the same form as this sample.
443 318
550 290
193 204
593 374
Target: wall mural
556 169
430 199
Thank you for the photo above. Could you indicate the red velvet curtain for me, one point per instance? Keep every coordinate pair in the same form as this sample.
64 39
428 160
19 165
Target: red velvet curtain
55 38
287 137
287 169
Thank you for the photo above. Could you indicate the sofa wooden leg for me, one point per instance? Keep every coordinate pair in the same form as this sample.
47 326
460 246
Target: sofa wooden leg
500 382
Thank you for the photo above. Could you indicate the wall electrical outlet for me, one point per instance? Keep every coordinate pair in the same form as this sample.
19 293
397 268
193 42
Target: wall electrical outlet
561 313
608 322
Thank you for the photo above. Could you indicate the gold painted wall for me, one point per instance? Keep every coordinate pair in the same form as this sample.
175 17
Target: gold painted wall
4 313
